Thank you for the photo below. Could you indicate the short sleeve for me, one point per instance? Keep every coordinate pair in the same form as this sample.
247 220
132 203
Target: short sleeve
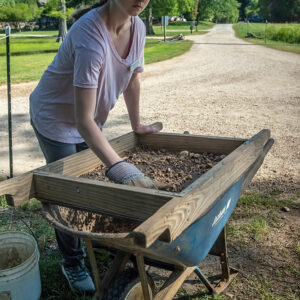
87 66
140 68
142 34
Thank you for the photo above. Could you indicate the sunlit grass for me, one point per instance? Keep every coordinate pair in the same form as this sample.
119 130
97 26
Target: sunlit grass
284 37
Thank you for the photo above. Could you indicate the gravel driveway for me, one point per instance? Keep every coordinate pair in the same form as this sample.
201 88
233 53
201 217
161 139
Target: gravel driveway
221 87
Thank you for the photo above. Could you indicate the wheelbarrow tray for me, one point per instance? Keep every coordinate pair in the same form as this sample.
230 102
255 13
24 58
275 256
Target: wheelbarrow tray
177 228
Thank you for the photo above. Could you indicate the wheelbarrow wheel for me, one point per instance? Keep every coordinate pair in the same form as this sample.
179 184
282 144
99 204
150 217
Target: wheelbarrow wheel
127 286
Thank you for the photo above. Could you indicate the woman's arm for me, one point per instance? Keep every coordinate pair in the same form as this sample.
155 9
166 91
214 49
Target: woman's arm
85 103
119 171
132 99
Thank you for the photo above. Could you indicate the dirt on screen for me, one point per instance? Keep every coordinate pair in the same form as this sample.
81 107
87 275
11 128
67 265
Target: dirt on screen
174 171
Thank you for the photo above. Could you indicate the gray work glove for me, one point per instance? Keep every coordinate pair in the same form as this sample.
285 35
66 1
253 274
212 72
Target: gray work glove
125 173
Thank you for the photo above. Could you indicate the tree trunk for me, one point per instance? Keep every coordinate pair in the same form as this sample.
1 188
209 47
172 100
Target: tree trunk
62 26
149 25
62 30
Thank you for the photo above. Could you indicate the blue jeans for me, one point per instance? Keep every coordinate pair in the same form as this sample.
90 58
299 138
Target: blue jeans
69 246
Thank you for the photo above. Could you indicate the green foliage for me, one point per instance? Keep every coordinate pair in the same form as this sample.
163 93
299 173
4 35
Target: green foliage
227 11
274 11
219 10
7 3
53 9
253 9
185 6
164 8
194 11
287 34
21 12
3 202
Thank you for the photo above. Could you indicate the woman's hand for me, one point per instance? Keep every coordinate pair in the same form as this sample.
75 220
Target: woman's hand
145 129
123 172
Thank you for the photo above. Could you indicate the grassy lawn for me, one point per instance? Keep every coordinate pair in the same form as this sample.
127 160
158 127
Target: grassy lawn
184 29
22 46
252 233
284 37
156 51
29 67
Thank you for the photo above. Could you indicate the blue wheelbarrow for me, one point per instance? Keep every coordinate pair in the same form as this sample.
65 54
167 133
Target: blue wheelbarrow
175 231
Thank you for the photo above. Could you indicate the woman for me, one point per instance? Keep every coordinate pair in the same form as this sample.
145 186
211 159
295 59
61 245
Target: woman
99 59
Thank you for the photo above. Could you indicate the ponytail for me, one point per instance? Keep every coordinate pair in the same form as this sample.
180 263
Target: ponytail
79 13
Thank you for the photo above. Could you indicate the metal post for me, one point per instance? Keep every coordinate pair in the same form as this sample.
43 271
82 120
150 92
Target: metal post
165 28
7 33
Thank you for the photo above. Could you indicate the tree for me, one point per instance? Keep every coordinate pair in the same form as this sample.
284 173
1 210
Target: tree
227 11
57 9
186 6
194 12
206 9
243 5
21 12
253 9
280 10
218 10
158 8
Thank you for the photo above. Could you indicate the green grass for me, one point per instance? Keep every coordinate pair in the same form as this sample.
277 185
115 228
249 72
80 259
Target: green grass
257 227
284 37
297 248
184 29
25 68
156 51
19 46
268 201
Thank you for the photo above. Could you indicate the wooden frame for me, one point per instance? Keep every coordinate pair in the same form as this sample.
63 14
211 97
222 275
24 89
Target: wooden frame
163 215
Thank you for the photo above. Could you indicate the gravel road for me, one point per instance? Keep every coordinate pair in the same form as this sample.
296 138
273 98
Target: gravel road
221 87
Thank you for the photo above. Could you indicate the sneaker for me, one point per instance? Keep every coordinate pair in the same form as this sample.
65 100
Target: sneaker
79 279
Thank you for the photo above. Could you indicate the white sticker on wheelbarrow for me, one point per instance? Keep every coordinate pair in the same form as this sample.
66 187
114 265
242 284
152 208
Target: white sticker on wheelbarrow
222 212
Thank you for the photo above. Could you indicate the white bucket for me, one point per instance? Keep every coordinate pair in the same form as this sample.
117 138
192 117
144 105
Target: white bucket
19 269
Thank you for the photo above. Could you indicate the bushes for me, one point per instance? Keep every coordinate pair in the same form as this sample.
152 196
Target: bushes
290 34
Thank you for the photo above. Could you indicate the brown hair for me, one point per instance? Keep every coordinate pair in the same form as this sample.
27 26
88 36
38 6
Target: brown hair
79 13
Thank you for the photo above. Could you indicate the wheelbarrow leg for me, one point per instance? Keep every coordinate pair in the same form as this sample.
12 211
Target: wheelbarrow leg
116 268
218 284
91 254
173 283
143 276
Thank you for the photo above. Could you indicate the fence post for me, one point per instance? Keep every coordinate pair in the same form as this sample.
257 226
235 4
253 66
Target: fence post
266 31
7 34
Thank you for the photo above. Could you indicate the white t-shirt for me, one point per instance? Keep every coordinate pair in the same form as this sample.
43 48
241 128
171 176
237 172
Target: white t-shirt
87 58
